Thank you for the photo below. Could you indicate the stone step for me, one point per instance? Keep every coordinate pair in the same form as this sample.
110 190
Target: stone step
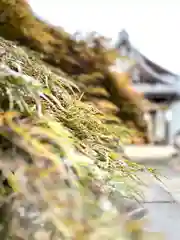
152 153
152 236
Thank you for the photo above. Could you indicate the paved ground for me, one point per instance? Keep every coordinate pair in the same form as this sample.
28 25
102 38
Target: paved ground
163 206
161 199
149 153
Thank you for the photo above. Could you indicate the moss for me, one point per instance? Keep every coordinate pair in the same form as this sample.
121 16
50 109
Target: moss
104 105
97 92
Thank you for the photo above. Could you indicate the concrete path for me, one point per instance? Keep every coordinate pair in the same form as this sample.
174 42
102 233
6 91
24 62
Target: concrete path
162 203
161 198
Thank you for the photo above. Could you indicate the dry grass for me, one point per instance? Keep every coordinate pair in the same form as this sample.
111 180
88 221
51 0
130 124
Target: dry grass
86 61
57 154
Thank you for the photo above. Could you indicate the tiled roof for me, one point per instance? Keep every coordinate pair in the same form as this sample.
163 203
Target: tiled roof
148 71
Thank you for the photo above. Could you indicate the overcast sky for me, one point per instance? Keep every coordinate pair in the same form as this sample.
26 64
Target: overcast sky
153 26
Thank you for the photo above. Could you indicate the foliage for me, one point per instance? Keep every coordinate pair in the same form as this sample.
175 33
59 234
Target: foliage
86 61
57 154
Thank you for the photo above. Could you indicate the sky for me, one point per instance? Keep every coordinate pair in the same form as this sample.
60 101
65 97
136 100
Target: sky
152 26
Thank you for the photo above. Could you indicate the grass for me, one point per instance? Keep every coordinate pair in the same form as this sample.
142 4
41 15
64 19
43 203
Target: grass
58 155
86 61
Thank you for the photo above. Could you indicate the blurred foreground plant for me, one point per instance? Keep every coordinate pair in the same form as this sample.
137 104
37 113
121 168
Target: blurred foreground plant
57 155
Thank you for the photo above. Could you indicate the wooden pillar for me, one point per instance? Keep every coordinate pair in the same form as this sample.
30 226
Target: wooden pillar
167 121
154 124
160 127
150 128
